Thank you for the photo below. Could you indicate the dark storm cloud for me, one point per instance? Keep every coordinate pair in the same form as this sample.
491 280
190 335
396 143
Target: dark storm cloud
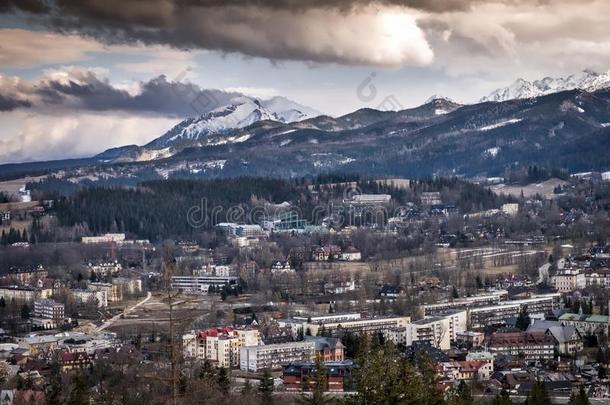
8 103
319 31
83 90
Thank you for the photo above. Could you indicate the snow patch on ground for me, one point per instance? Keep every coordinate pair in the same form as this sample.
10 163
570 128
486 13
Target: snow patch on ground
492 152
500 124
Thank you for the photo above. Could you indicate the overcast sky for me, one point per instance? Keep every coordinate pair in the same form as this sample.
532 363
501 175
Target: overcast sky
80 76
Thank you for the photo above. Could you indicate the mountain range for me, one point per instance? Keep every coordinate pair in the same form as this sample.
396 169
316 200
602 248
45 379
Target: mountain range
567 128
587 80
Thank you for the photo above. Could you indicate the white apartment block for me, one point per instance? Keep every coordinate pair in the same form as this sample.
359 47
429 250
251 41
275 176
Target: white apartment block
441 308
373 325
569 280
598 277
201 284
48 309
100 298
480 317
106 238
221 346
274 356
439 331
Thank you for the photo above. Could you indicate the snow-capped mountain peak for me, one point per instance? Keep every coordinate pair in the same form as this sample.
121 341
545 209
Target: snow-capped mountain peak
436 97
587 80
241 112
287 110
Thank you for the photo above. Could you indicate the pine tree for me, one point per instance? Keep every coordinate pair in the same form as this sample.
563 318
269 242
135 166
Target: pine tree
523 321
265 388
320 381
55 388
25 311
502 398
538 395
222 378
580 398
79 392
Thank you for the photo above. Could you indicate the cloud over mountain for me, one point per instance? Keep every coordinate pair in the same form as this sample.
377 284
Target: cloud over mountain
76 88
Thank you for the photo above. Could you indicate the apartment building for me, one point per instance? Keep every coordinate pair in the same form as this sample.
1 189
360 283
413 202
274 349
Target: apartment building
587 325
569 280
439 331
106 238
201 284
339 376
532 346
221 346
274 356
474 370
480 317
114 293
442 308
327 348
372 325
48 309
100 298
106 268
597 277
470 339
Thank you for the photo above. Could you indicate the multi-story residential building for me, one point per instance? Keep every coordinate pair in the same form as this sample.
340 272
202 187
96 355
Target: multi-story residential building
465 303
114 293
431 198
105 268
568 340
106 238
48 309
339 376
473 370
328 318
221 346
201 284
100 298
396 335
372 325
273 357
29 276
470 339
587 325
242 230
281 267
327 348
365 199
510 209
351 254
19 293
569 280
432 330
597 277
439 331
48 314
128 285
532 346
480 317
74 360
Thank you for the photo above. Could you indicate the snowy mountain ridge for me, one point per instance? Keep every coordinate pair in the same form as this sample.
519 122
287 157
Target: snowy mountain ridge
587 80
240 113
